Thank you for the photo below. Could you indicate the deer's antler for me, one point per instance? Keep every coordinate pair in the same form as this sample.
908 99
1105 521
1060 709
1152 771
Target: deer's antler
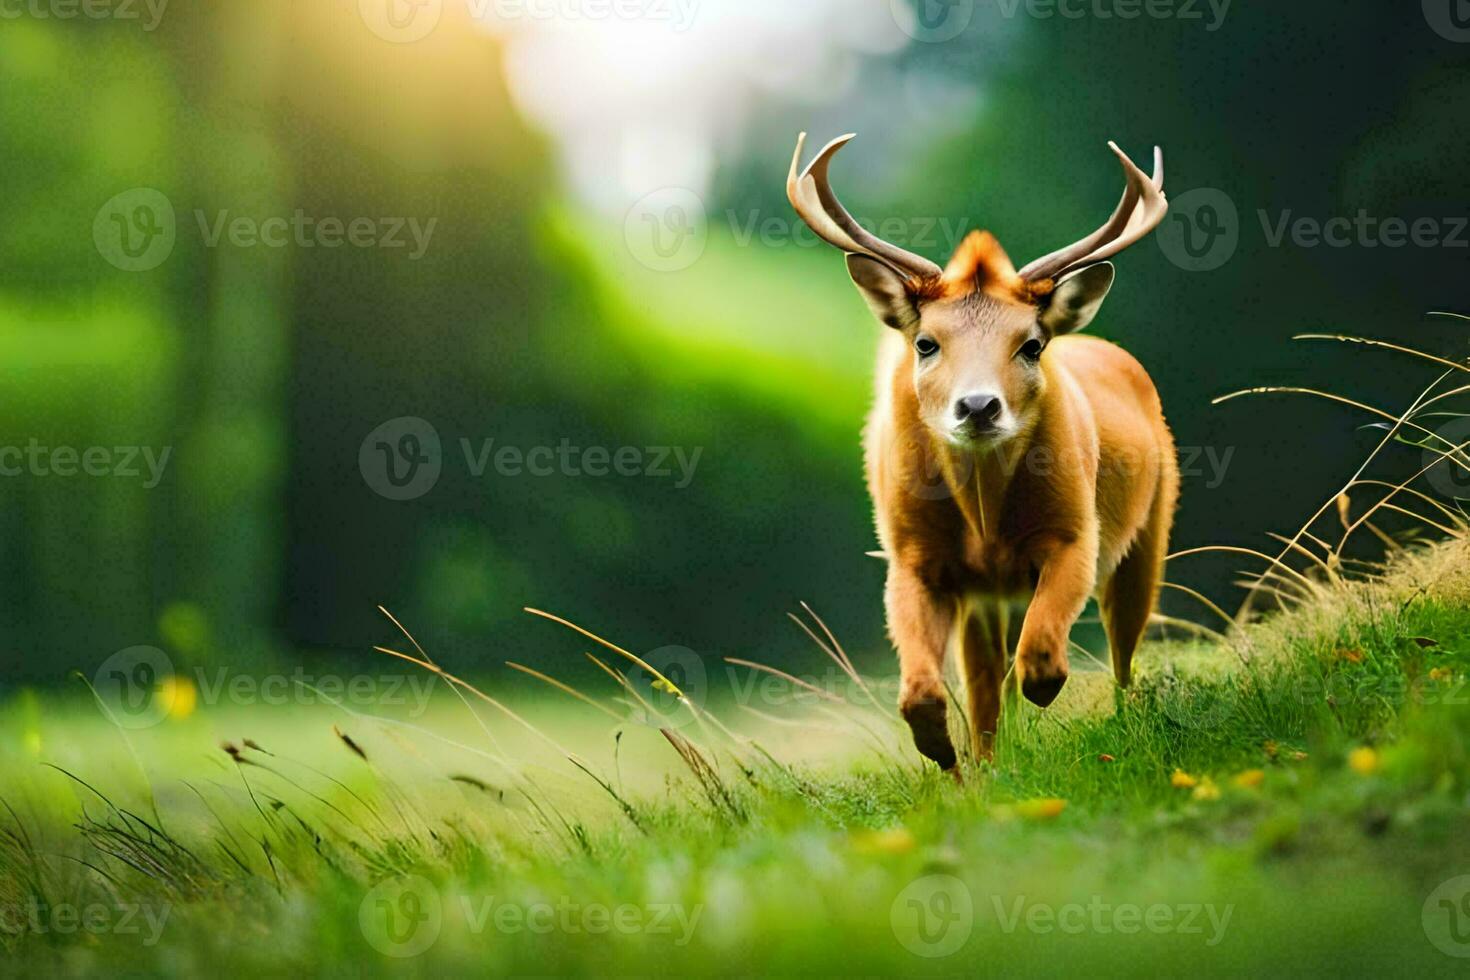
811 195
1139 212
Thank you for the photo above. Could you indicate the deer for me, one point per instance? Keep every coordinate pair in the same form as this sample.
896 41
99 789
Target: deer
1014 464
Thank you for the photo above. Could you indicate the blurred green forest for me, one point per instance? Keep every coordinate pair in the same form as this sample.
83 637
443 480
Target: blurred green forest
529 321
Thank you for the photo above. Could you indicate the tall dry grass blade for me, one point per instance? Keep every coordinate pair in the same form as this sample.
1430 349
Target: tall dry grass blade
609 645
1274 575
565 689
223 825
1439 458
789 678
776 720
1326 548
383 781
959 717
884 747
1238 550
1370 342
1443 396
472 689
823 695
650 713
660 681
1442 529
348 741
1261 583
315 796
572 833
1088 654
705 774
128 742
330 778
1387 541
404 630
501 761
831 655
1454 516
1388 438
1188 626
484 728
707 720
1204 600
623 681
845 661
1299 548
1342 399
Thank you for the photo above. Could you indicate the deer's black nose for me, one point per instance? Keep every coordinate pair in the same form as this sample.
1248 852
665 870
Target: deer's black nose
978 409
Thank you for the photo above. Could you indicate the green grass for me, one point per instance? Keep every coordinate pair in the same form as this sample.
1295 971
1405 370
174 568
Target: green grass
792 851
1292 797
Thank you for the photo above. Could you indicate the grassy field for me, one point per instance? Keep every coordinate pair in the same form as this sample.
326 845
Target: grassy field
1295 798
1292 796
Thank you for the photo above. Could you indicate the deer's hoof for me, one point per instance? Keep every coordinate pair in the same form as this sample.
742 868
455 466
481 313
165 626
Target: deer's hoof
1042 690
927 719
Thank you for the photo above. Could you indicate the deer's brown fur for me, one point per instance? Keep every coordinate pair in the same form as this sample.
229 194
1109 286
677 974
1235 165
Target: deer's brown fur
1023 534
1000 521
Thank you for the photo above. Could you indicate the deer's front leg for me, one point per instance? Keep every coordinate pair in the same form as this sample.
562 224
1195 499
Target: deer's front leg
920 621
1068 574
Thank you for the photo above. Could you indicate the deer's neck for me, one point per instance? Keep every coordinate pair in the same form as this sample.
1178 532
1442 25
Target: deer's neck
980 482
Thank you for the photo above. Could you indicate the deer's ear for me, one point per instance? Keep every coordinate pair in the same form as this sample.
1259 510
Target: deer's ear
1075 300
884 289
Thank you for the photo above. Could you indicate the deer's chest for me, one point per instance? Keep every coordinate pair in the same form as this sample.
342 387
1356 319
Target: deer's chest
965 563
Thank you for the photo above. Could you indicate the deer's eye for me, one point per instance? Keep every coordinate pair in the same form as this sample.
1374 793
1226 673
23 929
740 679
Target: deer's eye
926 347
1031 349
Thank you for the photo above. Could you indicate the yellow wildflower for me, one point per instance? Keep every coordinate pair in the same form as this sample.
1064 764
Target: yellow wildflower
1363 760
178 695
1044 809
1206 790
1250 779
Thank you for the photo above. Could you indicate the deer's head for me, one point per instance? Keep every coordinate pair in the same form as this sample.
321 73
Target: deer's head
978 329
